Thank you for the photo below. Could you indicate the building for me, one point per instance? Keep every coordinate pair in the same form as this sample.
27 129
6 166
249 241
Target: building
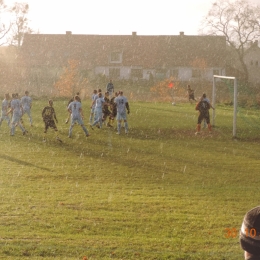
135 57
252 61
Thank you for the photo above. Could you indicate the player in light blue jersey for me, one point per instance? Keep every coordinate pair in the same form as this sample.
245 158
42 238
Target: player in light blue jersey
92 108
98 102
75 110
17 111
5 106
121 105
26 102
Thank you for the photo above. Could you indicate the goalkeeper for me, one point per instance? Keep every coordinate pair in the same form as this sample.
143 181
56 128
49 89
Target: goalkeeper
203 107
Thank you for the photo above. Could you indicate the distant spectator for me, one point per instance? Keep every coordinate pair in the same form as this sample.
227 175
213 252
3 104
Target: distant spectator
190 93
110 88
250 234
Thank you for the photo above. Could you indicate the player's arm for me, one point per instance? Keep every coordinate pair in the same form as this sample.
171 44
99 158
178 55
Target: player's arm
69 109
211 106
54 115
81 112
127 107
10 111
43 113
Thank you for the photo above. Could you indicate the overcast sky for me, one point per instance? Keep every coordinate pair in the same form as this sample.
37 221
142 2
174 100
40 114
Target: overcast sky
146 17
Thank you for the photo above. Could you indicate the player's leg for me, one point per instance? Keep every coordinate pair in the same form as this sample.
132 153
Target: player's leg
91 115
126 126
8 121
208 122
71 127
46 126
100 119
118 117
1 119
30 116
15 120
200 118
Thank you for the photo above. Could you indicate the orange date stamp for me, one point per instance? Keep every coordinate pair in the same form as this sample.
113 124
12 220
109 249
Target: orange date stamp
248 232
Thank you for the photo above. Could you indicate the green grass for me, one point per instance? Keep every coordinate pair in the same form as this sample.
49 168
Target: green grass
158 193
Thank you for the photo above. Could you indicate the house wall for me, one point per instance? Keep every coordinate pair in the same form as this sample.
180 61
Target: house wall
252 60
184 73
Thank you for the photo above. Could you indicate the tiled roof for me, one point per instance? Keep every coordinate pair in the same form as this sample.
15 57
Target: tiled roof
146 51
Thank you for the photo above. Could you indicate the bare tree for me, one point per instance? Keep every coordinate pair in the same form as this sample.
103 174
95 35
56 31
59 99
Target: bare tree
20 24
4 27
238 21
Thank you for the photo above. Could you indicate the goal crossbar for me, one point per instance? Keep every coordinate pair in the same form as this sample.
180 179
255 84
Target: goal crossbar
235 100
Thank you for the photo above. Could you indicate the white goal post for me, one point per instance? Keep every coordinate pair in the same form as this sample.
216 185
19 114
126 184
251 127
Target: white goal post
235 100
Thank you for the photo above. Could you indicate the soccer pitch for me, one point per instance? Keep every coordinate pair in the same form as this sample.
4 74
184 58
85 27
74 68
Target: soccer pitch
159 192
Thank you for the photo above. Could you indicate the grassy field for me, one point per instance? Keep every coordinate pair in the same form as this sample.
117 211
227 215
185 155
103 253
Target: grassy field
159 192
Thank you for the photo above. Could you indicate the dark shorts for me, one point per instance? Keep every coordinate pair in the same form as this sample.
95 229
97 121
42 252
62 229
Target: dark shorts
191 96
204 116
51 124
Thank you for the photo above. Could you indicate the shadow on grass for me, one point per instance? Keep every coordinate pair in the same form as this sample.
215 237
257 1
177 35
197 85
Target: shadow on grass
12 159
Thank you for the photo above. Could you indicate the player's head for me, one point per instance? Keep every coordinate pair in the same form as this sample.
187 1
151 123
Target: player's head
188 86
77 94
95 91
250 232
116 94
99 94
120 92
77 98
13 95
51 102
99 90
107 94
7 96
204 95
26 92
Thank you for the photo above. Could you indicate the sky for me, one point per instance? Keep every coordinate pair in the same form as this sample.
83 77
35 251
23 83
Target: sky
113 17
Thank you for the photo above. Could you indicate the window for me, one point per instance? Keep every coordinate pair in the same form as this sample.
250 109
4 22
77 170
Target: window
116 57
196 73
175 73
160 74
114 73
137 73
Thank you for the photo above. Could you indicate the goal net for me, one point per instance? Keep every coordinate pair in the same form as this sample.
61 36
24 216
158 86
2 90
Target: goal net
215 77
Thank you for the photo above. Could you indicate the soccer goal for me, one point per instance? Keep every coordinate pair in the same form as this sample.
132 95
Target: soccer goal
235 100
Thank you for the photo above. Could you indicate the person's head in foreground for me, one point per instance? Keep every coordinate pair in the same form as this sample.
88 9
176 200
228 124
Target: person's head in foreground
250 234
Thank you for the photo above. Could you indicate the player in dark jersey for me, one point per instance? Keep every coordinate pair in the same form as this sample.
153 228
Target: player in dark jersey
48 116
105 110
113 109
203 107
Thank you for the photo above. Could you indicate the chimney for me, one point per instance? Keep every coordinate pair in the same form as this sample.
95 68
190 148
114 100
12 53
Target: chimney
68 32
133 34
181 34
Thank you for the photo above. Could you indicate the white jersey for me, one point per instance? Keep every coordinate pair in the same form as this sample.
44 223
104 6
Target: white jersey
121 104
16 107
99 103
75 108
5 105
26 102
